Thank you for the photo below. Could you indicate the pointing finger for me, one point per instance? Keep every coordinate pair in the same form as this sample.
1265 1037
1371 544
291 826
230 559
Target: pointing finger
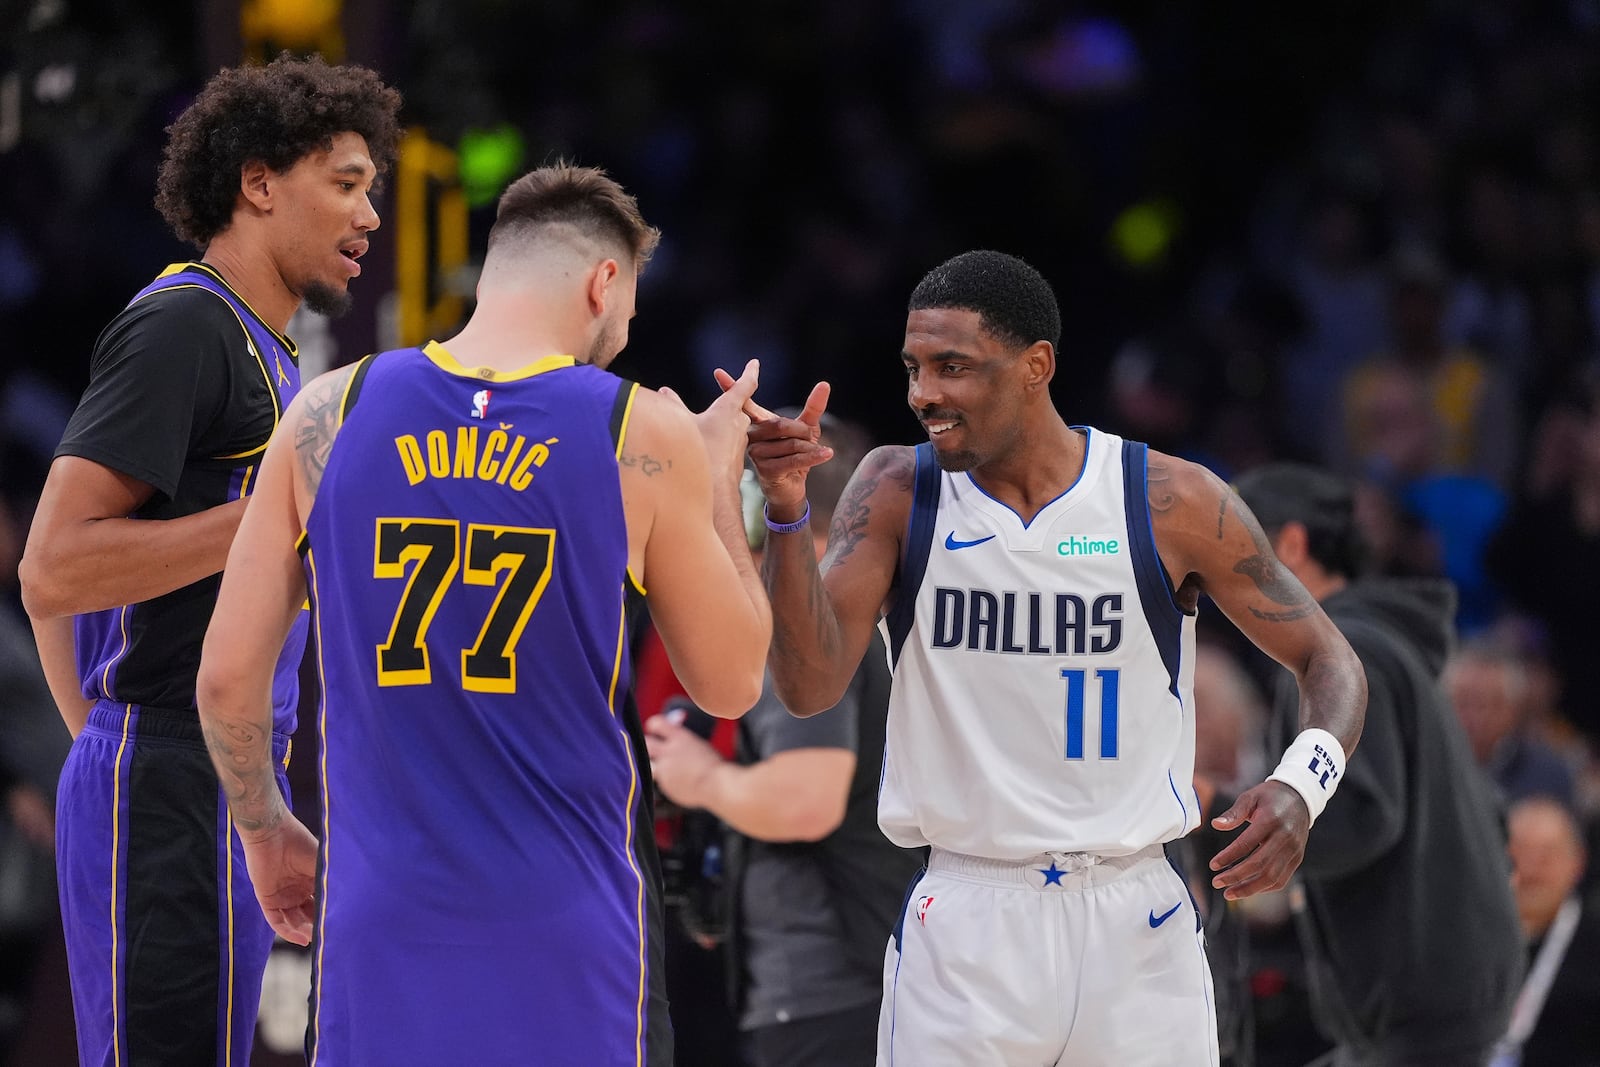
743 388
816 404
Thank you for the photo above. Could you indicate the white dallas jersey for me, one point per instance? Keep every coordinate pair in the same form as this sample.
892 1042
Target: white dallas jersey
1043 675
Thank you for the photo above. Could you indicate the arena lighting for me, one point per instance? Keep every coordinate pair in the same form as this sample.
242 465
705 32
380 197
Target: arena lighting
1143 233
488 160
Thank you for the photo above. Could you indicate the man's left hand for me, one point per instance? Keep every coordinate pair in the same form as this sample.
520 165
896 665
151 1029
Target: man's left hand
682 763
283 869
1267 852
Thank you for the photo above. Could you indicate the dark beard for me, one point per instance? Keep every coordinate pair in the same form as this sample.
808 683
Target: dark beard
603 350
956 462
324 299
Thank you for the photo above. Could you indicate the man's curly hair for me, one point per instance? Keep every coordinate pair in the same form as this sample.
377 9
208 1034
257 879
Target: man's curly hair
277 115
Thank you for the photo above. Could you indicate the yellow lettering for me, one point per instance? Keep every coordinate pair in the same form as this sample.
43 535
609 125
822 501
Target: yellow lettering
516 449
495 444
438 454
411 458
466 451
522 477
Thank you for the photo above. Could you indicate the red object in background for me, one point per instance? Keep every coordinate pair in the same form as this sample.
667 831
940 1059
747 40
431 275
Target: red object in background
1268 982
656 687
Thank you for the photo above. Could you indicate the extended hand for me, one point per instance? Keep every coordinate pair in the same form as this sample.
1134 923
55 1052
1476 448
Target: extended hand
681 763
283 869
723 424
1268 851
783 450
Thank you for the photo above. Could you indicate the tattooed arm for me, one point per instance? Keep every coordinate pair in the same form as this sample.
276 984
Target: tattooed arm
823 615
263 589
1212 544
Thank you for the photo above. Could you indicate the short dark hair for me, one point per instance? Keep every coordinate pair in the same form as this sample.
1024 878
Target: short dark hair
1015 305
585 197
1321 501
276 115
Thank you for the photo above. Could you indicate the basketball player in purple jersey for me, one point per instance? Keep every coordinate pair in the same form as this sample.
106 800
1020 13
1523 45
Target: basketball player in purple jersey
472 519
268 173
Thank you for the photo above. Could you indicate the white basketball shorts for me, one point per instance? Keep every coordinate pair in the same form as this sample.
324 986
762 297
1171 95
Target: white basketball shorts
1072 960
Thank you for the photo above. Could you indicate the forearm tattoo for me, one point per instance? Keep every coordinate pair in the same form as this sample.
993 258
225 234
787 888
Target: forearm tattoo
242 753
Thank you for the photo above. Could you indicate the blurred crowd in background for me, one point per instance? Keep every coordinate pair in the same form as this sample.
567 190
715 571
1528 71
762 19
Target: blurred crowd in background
1369 240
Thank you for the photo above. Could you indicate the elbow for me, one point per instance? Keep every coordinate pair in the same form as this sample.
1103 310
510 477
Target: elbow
730 694
803 703
215 685
813 822
43 594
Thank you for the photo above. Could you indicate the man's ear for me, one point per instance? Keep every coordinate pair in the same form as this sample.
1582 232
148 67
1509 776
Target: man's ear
600 280
256 182
1040 361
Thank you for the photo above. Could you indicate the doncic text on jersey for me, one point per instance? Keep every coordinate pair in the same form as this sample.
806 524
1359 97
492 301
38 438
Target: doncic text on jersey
1038 624
505 460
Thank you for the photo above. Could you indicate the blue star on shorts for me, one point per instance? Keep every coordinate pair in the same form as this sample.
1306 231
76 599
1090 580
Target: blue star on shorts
1053 875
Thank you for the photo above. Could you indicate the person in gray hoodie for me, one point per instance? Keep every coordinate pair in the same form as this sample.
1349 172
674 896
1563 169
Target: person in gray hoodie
1408 923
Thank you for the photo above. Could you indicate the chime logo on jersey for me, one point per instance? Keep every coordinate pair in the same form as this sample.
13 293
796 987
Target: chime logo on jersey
480 403
923 904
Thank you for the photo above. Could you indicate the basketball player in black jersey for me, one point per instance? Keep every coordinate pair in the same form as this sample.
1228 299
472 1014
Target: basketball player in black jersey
269 173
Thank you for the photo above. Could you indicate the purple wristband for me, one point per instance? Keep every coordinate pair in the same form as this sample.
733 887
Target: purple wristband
786 527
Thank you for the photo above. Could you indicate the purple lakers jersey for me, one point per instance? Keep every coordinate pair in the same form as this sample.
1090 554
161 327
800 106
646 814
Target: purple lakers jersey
147 654
482 895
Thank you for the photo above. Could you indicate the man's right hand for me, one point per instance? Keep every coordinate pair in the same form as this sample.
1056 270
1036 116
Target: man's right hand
783 450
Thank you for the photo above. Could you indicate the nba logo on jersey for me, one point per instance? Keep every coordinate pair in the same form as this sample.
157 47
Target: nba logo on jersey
923 904
480 403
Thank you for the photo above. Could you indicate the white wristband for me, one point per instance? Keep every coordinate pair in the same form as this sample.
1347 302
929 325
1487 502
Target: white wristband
1312 766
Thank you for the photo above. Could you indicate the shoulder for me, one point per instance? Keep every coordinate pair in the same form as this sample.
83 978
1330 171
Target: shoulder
172 323
325 391
894 465
657 426
1179 489
880 490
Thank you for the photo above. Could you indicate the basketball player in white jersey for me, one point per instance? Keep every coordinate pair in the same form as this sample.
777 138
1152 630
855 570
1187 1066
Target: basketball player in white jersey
1037 585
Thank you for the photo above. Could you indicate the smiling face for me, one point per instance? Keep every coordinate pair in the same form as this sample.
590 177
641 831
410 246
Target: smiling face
321 219
965 387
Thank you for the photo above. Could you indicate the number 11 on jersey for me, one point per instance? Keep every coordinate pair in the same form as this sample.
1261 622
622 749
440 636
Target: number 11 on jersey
1077 683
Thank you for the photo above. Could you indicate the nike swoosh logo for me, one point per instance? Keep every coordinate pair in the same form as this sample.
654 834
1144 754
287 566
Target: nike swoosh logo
952 544
1157 920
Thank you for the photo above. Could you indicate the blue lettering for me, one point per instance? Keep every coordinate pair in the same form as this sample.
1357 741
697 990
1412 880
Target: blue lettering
984 606
949 613
1069 624
1104 619
1008 626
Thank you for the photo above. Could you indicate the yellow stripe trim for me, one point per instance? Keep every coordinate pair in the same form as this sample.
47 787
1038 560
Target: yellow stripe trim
622 435
627 417
350 379
105 675
446 362
327 800
246 455
244 483
116 849
216 275
227 1035
627 817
